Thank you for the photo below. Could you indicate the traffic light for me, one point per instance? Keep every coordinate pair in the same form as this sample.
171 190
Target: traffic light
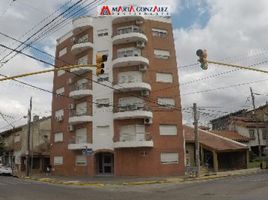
202 54
100 59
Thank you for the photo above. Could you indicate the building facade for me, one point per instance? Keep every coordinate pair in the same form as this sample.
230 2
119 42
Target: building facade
126 121
252 124
16 146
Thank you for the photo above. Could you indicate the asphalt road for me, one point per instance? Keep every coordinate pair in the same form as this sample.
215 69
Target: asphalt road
252 187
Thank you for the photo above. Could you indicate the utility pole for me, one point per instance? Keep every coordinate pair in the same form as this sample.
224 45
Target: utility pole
197 157
28 139
254 116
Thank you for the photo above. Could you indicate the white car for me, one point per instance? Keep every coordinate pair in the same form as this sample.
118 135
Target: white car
5 170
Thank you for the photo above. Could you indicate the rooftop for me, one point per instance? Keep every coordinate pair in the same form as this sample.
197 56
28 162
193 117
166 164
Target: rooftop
212 140
233 135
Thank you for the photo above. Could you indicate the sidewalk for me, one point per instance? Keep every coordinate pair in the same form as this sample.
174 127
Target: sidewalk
101 181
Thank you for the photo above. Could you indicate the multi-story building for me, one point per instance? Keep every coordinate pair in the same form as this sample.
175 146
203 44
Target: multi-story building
127 119
15 150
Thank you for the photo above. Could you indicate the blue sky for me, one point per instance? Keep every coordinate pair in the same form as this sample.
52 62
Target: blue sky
191 13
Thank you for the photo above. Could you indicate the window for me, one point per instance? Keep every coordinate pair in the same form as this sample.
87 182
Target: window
130 103
169 158
166 129
161 54
60 91
58 160
102 102
82 60
166 102
264 133
129 77
164 77
103 32
82 39
62 51
59 114
81 136
127 52
103 77
80 160
60 72
81 108
17 138
252 134
127 29
132 133
159 33
58 137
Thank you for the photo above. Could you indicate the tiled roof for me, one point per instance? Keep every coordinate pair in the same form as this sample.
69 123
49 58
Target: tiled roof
233 135
248 122
212 141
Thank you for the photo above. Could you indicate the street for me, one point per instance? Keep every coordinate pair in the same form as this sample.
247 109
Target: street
231 188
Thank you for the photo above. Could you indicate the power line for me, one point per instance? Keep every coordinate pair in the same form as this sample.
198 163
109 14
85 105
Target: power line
43 20
4 118
47 24
224 87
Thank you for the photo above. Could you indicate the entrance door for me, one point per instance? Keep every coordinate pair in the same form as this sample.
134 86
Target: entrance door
105 163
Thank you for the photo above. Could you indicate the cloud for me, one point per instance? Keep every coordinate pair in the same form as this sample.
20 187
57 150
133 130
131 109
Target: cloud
236 30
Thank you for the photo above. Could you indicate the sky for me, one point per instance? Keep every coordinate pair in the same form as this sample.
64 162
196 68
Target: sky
233 32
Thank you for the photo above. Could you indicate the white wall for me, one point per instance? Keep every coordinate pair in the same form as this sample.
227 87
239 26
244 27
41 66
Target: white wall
103 117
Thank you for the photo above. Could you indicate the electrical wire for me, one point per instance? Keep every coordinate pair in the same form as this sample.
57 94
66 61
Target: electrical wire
39 30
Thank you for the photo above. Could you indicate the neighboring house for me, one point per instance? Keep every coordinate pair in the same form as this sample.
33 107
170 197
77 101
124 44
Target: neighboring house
16 145
245 124
216 152
233 135
222 123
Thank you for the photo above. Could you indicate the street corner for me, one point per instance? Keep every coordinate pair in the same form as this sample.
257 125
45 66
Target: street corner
140 183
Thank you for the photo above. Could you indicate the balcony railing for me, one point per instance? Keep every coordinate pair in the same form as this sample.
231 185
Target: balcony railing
132 107
81 40
133 29
74 113
82 86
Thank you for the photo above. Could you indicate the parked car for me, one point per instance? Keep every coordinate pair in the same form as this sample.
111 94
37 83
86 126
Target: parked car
4 170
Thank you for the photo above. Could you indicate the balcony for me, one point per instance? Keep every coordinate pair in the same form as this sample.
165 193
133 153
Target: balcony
132 111
130 34
79 118
130 60
79 146
80 90
81 70
122 19
132 86
81 24
134 141
81 45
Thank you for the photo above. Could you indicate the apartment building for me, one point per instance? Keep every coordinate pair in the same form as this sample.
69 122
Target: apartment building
128 120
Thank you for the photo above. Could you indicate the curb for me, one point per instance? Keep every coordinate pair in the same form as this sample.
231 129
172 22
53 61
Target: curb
140 183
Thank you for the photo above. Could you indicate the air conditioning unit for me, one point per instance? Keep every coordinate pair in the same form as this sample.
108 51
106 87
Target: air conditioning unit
59 118
148 121
140 44
139 22
71 128
70 81
142 68
71 106
145 93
